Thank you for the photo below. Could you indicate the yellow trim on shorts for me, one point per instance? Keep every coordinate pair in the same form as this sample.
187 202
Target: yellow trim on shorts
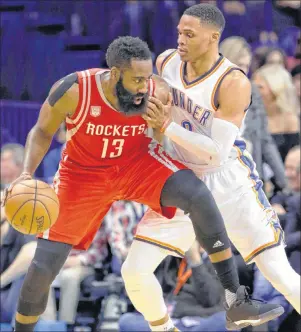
160 244
249 176
278 237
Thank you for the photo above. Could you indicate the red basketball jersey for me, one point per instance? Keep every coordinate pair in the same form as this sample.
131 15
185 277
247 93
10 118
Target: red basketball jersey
99 135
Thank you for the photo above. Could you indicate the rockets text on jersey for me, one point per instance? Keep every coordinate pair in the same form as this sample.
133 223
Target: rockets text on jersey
99 135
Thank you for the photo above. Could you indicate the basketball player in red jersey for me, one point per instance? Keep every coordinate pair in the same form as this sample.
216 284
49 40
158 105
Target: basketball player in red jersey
109 157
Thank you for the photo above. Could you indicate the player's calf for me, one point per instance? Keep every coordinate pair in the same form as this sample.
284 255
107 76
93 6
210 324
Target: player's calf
187 192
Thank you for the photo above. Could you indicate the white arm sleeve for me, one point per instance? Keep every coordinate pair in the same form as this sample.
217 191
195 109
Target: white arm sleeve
213 150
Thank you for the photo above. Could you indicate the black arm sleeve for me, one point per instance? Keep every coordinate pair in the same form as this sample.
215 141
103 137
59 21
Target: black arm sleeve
62 88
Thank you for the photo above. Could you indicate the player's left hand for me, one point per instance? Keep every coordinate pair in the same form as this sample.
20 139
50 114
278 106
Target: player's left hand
157 113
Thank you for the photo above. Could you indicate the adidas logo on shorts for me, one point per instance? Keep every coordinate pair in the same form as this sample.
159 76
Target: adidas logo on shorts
217 244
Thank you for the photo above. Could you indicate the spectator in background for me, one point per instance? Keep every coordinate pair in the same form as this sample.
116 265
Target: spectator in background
296 74
12 156
122 220
275 56
292 172
255 131
287 205
258 58
53 157
6 136
17 251
192 292
292 169
286 13
281 103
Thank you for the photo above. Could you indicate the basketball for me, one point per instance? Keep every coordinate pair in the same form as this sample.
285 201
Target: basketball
32 207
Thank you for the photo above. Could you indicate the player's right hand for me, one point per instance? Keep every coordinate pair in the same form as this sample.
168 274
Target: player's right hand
24 176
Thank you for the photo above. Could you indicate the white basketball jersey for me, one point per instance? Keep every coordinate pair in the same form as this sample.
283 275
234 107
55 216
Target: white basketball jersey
195 103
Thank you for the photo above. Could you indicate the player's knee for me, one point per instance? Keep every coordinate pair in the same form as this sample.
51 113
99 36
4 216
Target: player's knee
34 293
128 271
40 276
131 274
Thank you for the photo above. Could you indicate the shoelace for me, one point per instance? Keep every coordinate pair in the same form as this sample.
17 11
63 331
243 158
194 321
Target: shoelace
247 298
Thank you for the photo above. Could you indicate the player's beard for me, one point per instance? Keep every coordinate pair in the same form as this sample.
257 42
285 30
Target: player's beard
126 100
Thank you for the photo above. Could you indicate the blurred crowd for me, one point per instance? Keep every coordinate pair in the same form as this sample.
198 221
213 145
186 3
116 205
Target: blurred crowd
88 294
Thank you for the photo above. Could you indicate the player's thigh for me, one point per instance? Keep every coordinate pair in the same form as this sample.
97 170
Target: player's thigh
145 178
83 204
175 235
253 226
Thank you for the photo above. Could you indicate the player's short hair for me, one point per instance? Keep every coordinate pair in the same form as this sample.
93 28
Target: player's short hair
208 14
124 49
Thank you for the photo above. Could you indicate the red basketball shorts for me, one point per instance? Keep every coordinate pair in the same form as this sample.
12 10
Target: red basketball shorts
87 194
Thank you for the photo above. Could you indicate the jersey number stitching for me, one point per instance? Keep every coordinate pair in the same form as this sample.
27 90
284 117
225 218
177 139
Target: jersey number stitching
187 125
118 143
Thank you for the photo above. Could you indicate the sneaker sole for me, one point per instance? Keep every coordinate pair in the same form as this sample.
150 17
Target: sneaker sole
255 322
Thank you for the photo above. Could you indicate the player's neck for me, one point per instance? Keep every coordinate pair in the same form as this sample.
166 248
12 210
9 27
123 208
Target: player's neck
108 91
202 65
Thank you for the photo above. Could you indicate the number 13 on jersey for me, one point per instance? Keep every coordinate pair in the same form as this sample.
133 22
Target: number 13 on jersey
117 150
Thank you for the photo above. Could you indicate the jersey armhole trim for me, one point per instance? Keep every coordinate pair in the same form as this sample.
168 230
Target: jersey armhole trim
166 59
214 96
83 76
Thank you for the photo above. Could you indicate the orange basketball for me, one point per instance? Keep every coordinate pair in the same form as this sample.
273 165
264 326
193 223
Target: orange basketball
32 207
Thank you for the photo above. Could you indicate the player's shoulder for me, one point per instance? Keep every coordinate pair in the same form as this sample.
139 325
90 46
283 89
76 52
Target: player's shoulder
163 57
159 81
65 91
167 53
236 79
95 71
161 88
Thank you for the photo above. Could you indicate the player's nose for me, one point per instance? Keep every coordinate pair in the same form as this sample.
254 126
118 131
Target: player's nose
180 40
143 89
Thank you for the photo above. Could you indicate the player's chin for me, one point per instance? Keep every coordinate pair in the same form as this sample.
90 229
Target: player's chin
136 110
183 56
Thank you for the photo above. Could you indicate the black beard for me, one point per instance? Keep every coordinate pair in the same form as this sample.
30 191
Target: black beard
126 101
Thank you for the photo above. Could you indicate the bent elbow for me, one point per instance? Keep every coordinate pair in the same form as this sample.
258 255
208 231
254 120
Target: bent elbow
214 158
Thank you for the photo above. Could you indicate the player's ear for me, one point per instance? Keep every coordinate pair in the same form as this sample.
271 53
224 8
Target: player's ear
215 37
115 74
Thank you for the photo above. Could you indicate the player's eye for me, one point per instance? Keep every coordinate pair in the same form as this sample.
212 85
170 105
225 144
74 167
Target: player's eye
189 35
138 80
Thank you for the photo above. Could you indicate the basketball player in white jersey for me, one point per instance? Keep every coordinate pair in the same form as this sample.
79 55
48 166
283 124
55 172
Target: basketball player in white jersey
210 98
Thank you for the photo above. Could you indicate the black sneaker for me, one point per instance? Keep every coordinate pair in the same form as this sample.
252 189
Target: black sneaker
246 311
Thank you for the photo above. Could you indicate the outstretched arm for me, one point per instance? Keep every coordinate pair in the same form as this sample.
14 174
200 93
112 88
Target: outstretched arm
234 98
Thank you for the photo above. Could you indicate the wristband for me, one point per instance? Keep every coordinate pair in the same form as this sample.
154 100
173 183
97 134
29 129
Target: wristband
165 125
